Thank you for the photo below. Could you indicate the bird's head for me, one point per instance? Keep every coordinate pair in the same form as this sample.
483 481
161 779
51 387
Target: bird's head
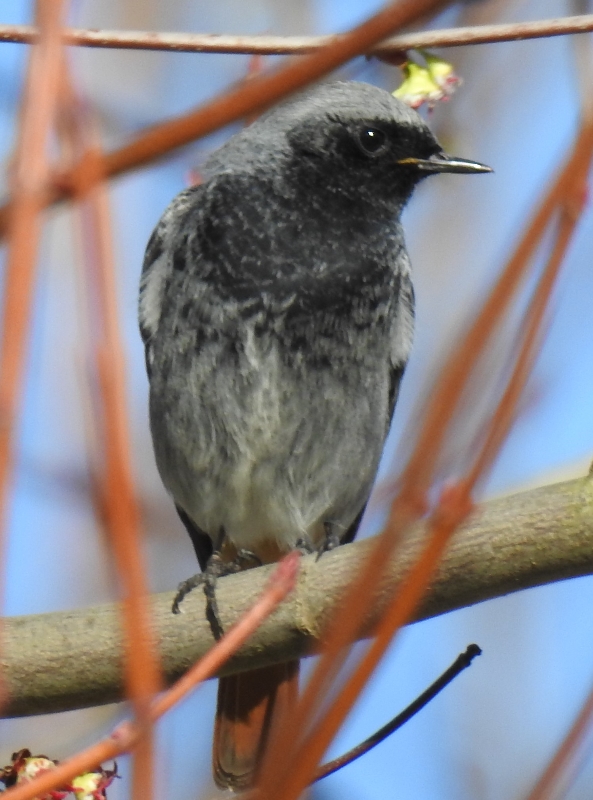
354 140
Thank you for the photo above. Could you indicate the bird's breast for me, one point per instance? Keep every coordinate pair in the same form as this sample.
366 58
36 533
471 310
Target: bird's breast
271 446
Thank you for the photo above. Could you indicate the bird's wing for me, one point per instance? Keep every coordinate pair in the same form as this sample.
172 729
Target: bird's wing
201 541
401 342
158 263
401 338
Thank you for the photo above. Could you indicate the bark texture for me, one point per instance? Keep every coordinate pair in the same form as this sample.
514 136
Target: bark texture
66 660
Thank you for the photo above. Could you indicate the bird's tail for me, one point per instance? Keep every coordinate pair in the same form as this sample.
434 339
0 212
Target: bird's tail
248 705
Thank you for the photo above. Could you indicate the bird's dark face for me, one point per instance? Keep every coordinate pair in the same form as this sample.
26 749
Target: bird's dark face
375 152
362 157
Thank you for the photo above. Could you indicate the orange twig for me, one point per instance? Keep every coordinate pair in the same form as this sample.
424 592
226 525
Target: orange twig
504 415
301 45
250 96
282 582
548 785
259 92
291 776
452 379
457 503
287 777
280 759
142 670
30 173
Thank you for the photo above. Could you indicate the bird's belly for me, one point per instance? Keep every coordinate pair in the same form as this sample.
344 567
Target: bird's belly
274 453
285 480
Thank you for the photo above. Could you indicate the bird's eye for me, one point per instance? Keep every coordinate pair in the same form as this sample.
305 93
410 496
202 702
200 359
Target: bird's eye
371 140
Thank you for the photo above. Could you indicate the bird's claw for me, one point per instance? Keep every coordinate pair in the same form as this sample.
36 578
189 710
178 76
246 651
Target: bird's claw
304 545
184 588
330 541
216 568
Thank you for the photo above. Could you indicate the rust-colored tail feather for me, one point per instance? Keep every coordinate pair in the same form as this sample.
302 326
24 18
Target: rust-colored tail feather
248 704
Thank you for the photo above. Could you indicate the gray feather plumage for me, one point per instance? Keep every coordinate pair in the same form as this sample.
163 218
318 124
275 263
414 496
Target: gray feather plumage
276 309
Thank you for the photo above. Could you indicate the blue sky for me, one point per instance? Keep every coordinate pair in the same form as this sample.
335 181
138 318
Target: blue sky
490 733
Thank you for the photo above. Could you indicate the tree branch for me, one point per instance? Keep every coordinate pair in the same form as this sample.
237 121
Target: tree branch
301 45
73 659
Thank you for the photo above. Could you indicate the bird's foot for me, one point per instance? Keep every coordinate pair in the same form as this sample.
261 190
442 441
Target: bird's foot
215 568
184 588
330 541
305 546
244 558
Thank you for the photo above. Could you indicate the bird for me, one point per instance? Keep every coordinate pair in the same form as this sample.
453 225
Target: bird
276 309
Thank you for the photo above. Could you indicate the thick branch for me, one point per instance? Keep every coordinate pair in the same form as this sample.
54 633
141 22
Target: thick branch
293 45
60 661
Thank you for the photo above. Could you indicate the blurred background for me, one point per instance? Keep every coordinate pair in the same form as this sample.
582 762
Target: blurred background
492 732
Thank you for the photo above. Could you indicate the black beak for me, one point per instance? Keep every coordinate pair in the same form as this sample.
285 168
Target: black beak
441 162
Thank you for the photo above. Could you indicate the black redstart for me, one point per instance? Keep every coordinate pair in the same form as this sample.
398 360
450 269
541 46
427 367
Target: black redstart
277 310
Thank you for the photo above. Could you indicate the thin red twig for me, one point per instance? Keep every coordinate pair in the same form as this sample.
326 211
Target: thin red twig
280 781
444 399
249 97
287 779
142 672
548 785
504 415
302 45
28 184
282 582
259 92
455 505
557 774
282 776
